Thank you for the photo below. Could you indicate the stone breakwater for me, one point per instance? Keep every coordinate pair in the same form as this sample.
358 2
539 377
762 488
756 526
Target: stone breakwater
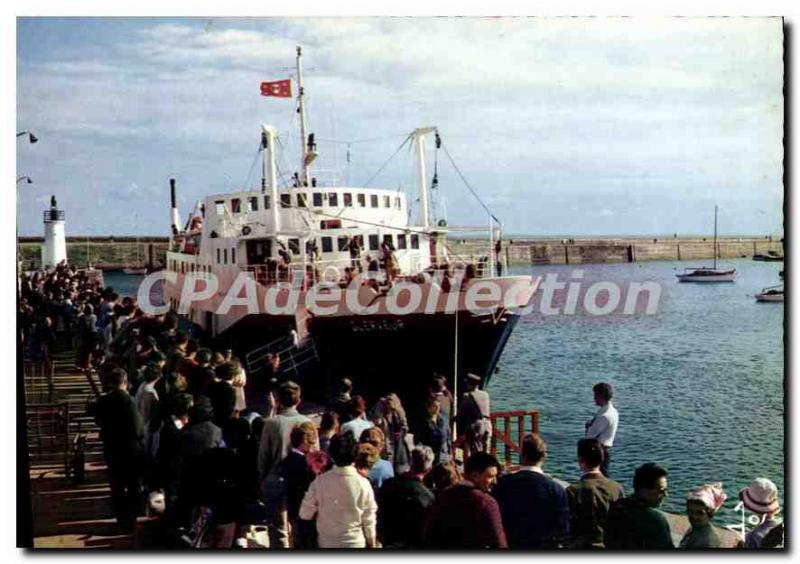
118 252
598 250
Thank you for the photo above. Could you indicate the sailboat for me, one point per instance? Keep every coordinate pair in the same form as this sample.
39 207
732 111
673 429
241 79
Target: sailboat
705 273
771 294
138 270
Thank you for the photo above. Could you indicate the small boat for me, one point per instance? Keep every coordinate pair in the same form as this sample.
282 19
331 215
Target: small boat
706 273
137 271
771 294
771 256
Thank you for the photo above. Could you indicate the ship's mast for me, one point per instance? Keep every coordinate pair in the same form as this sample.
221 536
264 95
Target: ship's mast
419 138
304 145
268 136
715 237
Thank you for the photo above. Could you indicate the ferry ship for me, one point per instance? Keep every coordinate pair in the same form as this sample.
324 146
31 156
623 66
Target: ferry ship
423 310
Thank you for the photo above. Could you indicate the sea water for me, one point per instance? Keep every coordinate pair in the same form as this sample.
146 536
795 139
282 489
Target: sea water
698 385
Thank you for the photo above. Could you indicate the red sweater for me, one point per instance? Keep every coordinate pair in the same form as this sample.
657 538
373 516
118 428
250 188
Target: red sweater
464 517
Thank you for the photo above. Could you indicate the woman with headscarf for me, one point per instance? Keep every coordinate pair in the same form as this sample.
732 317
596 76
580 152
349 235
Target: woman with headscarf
390 417
701 505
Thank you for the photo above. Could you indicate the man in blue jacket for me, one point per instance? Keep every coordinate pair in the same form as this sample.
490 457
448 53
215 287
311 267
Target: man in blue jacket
533 505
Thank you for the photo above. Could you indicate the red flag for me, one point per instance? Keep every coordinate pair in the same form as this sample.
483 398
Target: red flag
280 88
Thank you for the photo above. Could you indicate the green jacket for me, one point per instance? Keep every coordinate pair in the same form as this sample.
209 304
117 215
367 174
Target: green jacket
632 524
590 499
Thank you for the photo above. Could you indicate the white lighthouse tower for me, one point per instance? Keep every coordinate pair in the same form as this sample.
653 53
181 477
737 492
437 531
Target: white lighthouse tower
54 249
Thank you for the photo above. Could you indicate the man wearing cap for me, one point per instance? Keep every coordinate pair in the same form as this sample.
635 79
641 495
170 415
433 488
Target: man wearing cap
701 505
474 425
273 448
761 497
603 426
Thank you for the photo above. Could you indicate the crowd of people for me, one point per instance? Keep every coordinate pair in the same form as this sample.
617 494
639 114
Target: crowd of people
182 446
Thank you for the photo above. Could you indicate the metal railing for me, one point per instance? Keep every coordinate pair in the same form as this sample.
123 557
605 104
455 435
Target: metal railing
53 215
38 379
292 357
48 428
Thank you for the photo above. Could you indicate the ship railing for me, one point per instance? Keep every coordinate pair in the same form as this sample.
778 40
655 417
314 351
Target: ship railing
479 254
292 355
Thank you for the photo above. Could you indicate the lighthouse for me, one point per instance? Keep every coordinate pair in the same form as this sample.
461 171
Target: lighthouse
54 249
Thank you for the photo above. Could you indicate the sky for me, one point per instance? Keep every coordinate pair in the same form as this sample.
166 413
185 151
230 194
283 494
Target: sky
563 126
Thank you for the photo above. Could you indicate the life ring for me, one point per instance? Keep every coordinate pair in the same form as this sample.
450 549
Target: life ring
246 230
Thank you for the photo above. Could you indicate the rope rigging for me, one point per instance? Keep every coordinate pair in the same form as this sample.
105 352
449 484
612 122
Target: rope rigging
406 140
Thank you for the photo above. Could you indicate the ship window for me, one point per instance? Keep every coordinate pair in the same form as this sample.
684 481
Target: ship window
387 202
225 256
252 204
294 246
219 207
266 202
333 199
401 240
316 198
301 201
286 200
373 200
233 256
362 200
327 245
236 205
348 200
219 254
414 241
397 203
342 243
388 239
373 242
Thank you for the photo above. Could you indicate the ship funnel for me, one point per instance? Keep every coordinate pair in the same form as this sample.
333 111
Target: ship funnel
174 218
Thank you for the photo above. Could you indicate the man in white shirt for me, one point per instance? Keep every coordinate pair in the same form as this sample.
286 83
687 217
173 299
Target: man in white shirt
342 500
603 426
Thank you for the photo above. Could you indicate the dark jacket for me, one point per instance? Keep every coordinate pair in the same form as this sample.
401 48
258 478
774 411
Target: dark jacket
534 509
223 402
403 502
589 501
632 524
464 517
297 476
121 428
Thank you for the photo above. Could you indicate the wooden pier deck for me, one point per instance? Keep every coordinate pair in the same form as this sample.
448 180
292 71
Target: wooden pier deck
67 514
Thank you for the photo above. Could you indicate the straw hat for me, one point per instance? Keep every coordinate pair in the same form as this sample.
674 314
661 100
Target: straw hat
761 496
